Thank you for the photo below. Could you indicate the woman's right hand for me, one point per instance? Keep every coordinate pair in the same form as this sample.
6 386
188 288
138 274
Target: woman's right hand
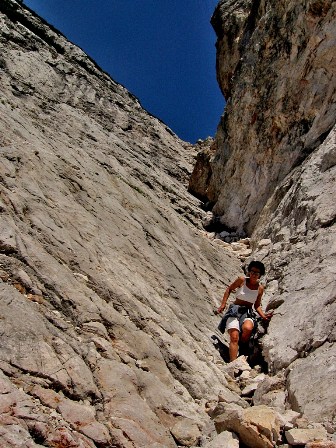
221 309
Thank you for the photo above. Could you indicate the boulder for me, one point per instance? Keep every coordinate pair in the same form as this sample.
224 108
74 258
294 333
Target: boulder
324 444
258 426
225 439
316 403
271 392
237 366
301 437
227 396
186 432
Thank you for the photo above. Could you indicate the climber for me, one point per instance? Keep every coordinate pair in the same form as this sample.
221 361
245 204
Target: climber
240 318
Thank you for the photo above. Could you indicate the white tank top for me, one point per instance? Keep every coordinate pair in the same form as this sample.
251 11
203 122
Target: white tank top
247 294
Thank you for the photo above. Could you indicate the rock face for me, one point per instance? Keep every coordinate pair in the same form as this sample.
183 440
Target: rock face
303 259
107 281
272 173
275 66
261 425
108 285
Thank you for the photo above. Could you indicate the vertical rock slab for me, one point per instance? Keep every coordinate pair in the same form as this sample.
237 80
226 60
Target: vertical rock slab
272 174
302 259
275 65
107 283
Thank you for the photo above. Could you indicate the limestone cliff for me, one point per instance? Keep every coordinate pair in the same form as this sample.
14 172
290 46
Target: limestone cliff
275 65
108 282
271 172
108 286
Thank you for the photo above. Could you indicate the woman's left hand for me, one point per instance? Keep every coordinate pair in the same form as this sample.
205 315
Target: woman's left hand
268 315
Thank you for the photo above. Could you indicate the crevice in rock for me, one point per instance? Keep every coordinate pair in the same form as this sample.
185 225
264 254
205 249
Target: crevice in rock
214 224
37 435
53 384
329 223
306 151
250 25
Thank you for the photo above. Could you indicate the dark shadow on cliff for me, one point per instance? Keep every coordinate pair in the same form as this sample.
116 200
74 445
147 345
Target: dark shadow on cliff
221 347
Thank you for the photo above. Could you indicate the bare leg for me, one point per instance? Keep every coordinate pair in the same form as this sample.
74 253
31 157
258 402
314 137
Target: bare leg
233 347
247 328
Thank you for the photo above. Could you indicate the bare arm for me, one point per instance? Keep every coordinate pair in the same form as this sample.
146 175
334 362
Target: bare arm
236 284
257 305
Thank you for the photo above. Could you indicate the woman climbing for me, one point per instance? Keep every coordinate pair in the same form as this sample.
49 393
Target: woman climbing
240 317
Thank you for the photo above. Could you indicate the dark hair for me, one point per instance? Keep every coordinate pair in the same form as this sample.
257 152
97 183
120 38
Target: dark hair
257 264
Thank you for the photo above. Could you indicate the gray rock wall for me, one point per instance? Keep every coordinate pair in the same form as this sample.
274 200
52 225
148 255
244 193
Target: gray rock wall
108 285
273 175
301 253
275 65
107 281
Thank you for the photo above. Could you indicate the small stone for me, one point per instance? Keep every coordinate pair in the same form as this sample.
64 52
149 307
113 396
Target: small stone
257 368
208 219
322 444
245 375
329 427
225 439
264 242
245 241
35 298
289 418
302 423
238 247
249 389
211 235
298 436
245 252
238 365
4 276
224 234
186 432
19 287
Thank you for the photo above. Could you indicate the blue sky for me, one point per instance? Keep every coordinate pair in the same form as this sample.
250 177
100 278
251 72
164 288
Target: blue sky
162 51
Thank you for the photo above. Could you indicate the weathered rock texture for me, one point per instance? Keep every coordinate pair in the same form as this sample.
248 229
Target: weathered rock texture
272 173
275 65
108 283
108 287
262 425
